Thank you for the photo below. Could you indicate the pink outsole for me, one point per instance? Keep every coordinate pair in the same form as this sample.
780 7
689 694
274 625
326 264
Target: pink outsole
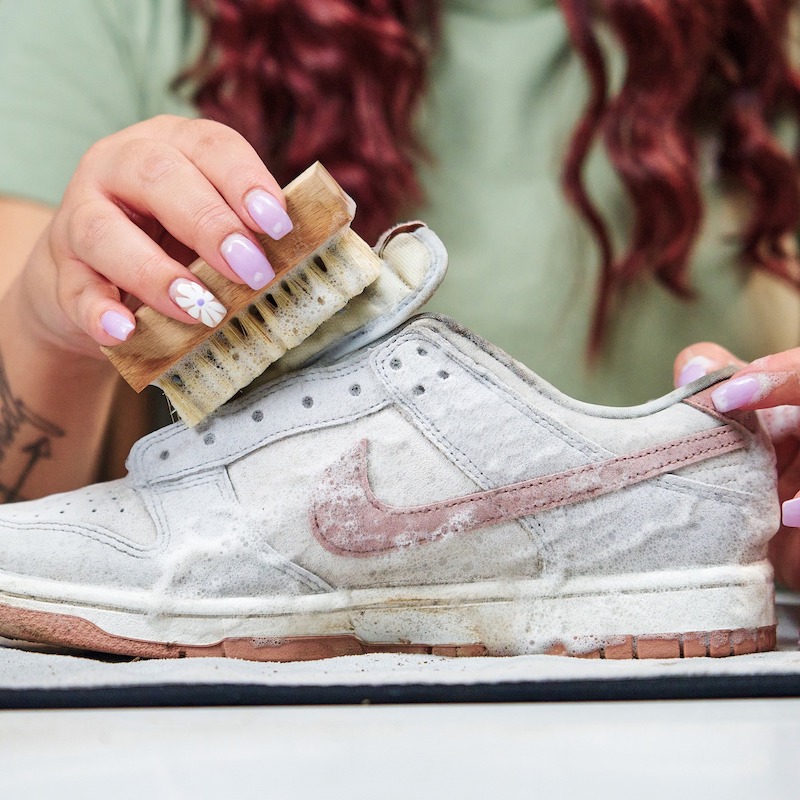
78 634
712 644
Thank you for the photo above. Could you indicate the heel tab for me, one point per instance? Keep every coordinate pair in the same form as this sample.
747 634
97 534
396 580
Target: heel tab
698 395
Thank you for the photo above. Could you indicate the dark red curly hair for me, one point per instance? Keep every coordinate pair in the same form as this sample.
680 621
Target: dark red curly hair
340 80
331 80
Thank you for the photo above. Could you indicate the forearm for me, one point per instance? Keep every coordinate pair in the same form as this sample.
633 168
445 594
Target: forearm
54 409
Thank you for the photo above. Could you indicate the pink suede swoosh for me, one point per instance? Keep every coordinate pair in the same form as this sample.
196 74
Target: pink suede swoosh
348 519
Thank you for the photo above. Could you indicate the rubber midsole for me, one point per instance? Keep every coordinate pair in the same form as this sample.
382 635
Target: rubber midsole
512 616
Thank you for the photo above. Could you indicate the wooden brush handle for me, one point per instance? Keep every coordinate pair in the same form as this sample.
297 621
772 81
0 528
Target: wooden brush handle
319 209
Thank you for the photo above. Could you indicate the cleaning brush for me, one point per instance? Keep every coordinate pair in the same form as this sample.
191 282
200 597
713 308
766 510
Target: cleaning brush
318 267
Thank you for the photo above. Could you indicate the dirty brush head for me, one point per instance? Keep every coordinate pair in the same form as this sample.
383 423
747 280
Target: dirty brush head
272 324
319 266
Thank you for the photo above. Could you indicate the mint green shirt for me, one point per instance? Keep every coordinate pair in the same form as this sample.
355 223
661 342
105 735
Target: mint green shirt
506 90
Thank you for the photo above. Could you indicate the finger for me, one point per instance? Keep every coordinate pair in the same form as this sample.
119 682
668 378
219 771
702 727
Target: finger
765 383
699 359
160 181
92 303
240 177
784 553
103 238
782 424
784 548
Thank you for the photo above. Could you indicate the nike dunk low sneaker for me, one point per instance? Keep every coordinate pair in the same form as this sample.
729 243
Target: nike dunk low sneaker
413 490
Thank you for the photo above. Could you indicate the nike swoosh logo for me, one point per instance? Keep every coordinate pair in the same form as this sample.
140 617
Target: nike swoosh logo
348 519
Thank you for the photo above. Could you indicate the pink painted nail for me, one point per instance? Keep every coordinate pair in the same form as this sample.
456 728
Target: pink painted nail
694 368
791 513
247 261
116 324
736 393
268 213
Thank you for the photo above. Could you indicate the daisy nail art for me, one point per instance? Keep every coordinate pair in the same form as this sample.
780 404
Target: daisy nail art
197 302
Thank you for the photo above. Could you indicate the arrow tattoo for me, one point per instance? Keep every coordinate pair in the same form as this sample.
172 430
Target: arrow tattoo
13 416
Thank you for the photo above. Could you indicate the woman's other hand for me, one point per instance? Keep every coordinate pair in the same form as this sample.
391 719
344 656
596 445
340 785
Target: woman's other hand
770 385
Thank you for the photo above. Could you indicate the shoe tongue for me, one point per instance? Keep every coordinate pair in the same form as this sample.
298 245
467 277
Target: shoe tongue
414 262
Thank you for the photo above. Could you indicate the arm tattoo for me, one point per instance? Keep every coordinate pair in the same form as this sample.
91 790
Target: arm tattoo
22 431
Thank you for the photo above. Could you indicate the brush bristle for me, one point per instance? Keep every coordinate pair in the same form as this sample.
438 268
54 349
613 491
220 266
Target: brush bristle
282 318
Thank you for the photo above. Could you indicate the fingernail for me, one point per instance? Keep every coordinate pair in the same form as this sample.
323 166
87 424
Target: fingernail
693 369
197 302
247 261
736 393
268 213
791 513
116 324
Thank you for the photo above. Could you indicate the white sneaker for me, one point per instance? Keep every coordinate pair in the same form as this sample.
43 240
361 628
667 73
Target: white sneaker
423 493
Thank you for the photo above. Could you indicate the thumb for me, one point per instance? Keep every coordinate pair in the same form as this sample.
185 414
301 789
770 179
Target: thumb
699 359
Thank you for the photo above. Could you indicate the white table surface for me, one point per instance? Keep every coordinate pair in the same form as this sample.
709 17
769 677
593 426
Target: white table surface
729 748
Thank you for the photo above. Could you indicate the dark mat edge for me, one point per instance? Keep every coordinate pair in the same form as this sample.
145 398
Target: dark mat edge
227 694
